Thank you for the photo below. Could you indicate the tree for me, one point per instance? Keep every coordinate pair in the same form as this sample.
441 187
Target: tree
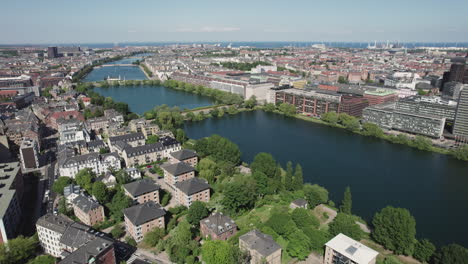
423 250
238 197
43 259
315 195
119 202
152 139
299 245
269 107
218 148
166 198
263 183
342 79
330 117
103 151
303 218
251 103
18 250
122 177
197 212
85 178
215 251
61 183
117 231
180 135
345 224
460 153
422 143
452 253
317 238
281 223
346 205
369 129
154 236
395 229
100 192
298 180
288 180
129 240
287 109
265 163
207 169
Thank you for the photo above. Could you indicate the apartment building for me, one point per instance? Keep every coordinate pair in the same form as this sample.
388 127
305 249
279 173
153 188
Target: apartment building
185 155
177 172
191 190
144 126
132 139
73 242
11 194
343 249
142 218
261 247
98 163
142 191
89 212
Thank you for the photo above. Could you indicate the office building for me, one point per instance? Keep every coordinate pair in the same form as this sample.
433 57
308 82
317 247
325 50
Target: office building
387 117
52 52
380 96
310 102
460 127
11 194
345 250
29 154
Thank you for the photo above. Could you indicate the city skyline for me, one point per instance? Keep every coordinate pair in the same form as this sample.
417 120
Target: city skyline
52 21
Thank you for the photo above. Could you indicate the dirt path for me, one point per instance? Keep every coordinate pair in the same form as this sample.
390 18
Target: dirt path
320 209
313 258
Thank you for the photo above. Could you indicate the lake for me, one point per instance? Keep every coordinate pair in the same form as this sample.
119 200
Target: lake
432 186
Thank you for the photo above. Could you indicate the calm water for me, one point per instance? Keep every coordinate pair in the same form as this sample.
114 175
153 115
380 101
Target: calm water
432 186
142 98
125 72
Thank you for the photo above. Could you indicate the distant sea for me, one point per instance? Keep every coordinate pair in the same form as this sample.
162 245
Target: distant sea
269 44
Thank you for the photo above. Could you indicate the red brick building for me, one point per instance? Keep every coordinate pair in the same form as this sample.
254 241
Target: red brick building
353 105
218 227
381 96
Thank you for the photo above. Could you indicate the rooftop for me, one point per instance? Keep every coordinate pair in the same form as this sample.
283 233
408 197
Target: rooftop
192 186
8 173
184 154
263 244
177 168
352 249
143 213
85 203
380 92
140 187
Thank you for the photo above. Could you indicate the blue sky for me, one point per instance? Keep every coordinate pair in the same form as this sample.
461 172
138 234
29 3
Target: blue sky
96 21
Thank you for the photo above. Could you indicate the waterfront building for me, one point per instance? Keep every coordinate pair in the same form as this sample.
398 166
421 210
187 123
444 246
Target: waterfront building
353 106
428 105
387 117
146 153
142 191
191 190
218 226
261 247
87 210
11 194
29 154
185 155
143 218
380 96
451 90
259 90
177 172
98 163
343 249
310 102
460 127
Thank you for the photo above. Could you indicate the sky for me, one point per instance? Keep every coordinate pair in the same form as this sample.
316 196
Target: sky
109 21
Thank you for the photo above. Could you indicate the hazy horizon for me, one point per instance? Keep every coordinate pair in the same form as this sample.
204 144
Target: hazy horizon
86 21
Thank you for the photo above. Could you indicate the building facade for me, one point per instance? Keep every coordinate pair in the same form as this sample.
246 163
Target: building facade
142 218
11 194
87 210
310 102
218 227
343 249
142 191
189 191
460 127
98 163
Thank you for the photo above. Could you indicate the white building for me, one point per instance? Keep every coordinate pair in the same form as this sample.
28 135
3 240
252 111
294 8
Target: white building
94 161
343 249
259 90
73 131
263 68
50 229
